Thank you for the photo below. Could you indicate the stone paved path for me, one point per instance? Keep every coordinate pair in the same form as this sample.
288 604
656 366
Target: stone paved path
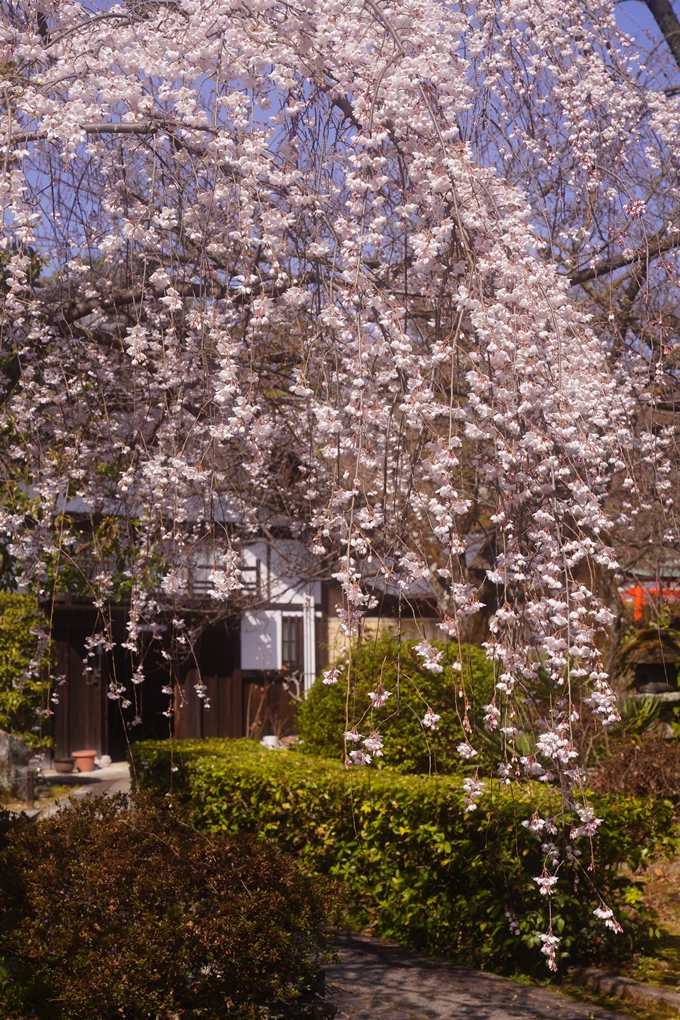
379 981
114 778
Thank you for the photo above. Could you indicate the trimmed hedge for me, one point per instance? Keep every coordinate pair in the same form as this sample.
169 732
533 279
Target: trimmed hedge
409 745
418 868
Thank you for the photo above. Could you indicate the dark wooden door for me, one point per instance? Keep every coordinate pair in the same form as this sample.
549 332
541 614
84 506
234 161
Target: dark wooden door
80 714
219 714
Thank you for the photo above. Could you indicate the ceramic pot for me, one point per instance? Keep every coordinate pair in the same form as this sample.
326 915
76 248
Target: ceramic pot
84 760
63 764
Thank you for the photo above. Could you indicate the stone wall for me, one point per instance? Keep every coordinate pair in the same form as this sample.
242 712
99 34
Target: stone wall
14 755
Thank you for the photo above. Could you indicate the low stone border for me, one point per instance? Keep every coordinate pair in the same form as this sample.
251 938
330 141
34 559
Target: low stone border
623 987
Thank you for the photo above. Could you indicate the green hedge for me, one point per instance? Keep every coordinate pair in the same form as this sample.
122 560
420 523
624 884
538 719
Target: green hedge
409 745
418 868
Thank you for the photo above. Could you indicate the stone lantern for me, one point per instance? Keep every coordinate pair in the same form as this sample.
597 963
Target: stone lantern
652 656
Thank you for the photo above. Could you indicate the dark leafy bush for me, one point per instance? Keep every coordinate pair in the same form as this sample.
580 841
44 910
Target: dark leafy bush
116 911
645 768
409 745
418 868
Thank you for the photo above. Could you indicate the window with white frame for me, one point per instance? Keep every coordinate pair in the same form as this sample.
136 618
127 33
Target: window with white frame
291 641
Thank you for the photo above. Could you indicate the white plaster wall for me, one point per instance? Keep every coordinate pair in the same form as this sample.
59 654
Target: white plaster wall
261 640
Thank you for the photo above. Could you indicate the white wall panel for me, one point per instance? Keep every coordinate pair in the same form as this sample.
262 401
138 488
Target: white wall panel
261 640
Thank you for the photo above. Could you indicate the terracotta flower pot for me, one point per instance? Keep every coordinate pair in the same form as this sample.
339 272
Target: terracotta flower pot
63 764
84 760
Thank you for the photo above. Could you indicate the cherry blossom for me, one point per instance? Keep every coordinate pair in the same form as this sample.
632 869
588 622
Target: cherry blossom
466 750
473 788
331 676
353 735
379 696
374 743
549 948
545 884
432 658
392 280
359 758
431 719
607 915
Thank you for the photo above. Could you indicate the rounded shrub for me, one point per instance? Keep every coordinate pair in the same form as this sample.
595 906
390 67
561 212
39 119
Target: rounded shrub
119 910
457 694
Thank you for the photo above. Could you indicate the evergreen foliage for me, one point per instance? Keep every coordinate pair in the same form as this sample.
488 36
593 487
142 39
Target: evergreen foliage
410 746
23 668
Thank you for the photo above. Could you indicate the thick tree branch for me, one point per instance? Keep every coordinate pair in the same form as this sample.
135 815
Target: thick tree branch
122 16
656 246
79 309
668 23
141 127
130 296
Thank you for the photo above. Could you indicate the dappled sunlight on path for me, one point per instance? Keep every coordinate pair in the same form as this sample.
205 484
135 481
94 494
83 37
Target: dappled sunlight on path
379 981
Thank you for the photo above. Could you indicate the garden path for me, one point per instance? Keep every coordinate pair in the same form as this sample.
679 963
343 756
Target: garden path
112 779
375 980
